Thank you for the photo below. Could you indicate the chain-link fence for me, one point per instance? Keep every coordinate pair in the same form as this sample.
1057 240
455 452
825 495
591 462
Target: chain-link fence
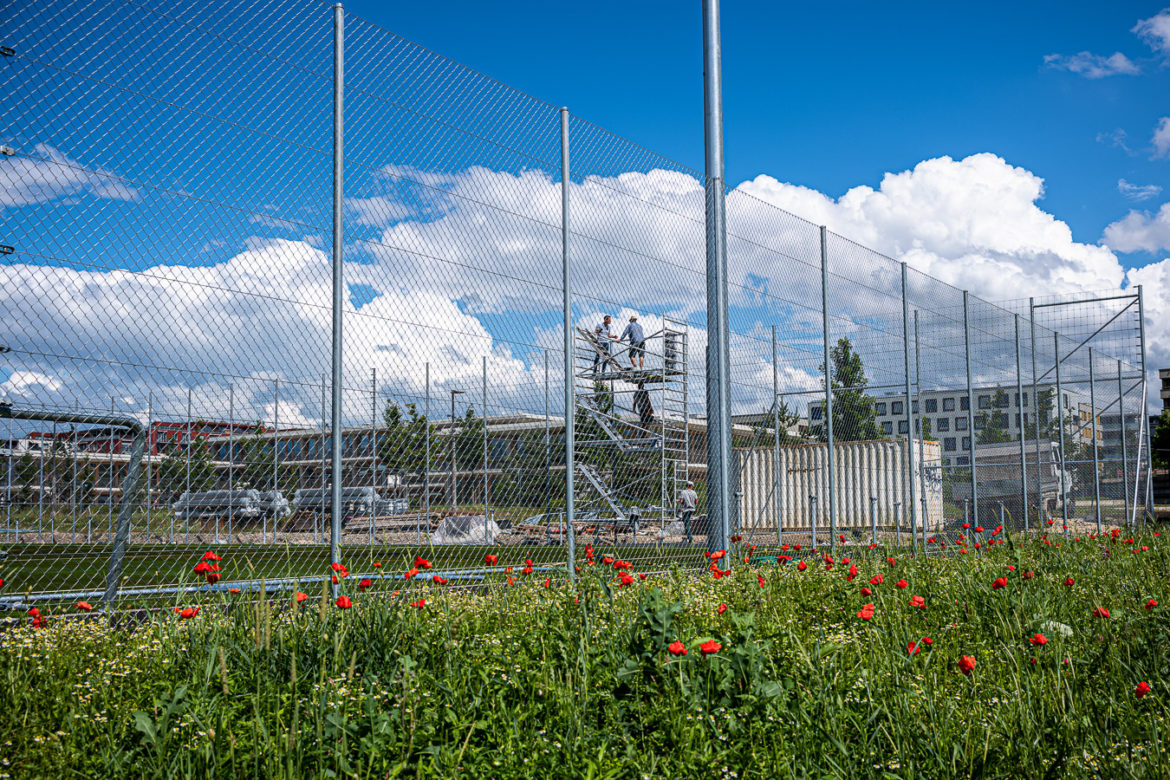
167 184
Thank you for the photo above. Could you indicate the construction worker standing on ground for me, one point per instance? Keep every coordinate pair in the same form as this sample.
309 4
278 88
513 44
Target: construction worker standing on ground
637 342
688 501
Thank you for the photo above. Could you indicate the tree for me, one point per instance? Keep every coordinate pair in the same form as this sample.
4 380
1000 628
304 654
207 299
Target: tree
172 471
854 413
927 434
761 434
402 444
1160 441
994 425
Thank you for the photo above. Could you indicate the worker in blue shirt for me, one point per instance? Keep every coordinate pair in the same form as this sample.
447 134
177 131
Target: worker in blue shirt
637 339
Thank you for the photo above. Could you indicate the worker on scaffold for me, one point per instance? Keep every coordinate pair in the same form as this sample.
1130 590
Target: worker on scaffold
637 339
604 335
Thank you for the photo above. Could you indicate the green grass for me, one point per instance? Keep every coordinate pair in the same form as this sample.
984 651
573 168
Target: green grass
528 681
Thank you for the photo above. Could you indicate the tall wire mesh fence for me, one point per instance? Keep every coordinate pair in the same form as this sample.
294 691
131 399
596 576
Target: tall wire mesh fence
167 273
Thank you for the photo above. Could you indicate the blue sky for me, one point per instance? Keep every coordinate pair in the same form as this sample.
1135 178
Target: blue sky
831 96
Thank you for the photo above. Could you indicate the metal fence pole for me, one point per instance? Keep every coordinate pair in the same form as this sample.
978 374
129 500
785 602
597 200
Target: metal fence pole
1093 432
73 490
1023 425
338 275
922 430
1149 432
828 390
149 452
1060 429
110 485
319 520
373 449
11 534
909 411
812 518
1124 444
231 453
187 507
427 435
873 519
485 442
567 313
276 495
40 490
970 404
719 432
53 498
1036 414
776 440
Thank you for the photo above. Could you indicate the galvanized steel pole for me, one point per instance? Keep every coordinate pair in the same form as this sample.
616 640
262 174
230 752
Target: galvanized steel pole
970 404
828 391
1124 445
427 472
1036 413
567 326
484 414
719 504
1060 429
275 453
1142 411
1023 422
1093 431
373 449
338 275
776 440
909 411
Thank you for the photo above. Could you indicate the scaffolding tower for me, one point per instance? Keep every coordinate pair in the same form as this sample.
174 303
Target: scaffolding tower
633 444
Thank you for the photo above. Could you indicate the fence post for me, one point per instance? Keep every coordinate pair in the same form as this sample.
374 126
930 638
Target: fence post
812 518
338 276
187 477
1149 432
276 497
776 440
828 391
8 488
427 470
485 443
231 464
1036 414
373 449
970 405
1023 423
1060 429
719 433
1124 445
1093 432
873 519
149 448
320 516
73 490
909 412
110 485
921 432
567 312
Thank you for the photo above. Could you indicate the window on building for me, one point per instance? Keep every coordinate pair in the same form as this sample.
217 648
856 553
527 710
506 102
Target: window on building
881 409
814 413
898 407
966 442
943 424
979 423
962 460
946 461
914 407
949 444
948 404
960 423
963 403
999 419
887 427
984 402
903 426
931 405
1066 404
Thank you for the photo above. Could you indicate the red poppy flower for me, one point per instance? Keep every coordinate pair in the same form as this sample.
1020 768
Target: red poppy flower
1151 604
202 568
865 591
890 561
1142 689
1000 582
1027 575
1068 581
927 641
852 573
710 646
802 566
210 556
548 581
784 547
902 584
511 580
365 583
1010 567
1038 639
760 579
344 602
966 526
411 574
419 604
876 579
301 597
913 649
643 576
336 567
677 648
736 538
84 606
490 559
377 564
796 547
34 612
722 609
213 577
442 580
606 560
1101 612
421 562
866 612
526 570
335 580
918 601
234 591
718 554
978 529
967 664
189 612
1 583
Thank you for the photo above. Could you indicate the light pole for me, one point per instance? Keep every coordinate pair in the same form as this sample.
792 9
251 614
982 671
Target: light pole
451 434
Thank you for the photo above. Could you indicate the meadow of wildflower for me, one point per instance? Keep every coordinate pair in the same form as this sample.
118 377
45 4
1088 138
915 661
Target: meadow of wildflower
1039 656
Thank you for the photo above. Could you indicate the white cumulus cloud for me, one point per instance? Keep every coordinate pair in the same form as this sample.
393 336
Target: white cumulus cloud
1156 31
1092 66
1138 192
1161 138
1140 231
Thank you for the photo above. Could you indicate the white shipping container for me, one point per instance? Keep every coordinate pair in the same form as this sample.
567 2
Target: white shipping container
863 469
